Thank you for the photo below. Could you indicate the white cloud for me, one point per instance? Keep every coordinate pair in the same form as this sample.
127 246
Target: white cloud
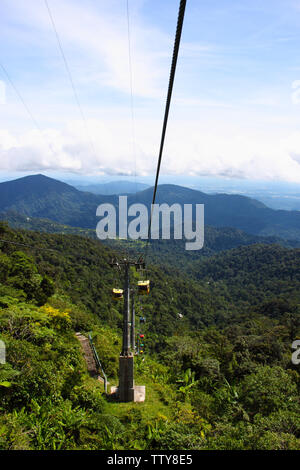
95 38
205 135
201 152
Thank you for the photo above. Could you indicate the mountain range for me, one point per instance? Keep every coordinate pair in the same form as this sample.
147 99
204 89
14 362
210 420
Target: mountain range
114 187
39 196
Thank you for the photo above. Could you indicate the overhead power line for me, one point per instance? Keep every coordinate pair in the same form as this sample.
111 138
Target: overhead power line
20 98
25 105
131 90
70 78
32 247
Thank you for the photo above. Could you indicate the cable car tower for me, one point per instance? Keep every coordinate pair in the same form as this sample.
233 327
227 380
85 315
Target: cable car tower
127 390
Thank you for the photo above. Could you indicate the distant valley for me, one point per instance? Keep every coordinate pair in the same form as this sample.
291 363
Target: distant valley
114 187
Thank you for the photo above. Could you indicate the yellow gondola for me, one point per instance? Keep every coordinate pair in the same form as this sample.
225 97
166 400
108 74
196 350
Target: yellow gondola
143 287
117 294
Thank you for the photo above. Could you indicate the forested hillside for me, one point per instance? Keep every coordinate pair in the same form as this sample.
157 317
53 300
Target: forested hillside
42 197
217 364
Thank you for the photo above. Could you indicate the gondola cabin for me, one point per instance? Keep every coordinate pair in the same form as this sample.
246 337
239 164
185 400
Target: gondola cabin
117 294
143 287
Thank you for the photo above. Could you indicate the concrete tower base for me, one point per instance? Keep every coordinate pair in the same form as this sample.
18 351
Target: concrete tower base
127 391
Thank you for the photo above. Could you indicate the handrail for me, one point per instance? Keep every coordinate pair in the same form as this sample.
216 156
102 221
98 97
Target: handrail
98 362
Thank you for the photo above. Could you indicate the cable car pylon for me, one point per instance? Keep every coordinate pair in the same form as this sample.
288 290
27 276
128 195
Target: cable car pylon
127 391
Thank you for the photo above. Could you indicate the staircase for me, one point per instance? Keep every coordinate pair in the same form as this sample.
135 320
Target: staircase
89 356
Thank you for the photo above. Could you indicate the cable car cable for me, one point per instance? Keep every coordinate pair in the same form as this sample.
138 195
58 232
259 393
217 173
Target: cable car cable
167 108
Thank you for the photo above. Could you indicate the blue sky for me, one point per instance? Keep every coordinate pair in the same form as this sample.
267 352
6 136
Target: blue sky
236 104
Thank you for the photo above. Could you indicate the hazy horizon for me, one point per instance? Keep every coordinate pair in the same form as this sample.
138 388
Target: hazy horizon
275 194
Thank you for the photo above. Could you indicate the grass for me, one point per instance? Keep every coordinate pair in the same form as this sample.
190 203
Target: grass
156 405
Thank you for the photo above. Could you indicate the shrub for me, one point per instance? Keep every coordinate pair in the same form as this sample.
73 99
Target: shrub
267 390
87 397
